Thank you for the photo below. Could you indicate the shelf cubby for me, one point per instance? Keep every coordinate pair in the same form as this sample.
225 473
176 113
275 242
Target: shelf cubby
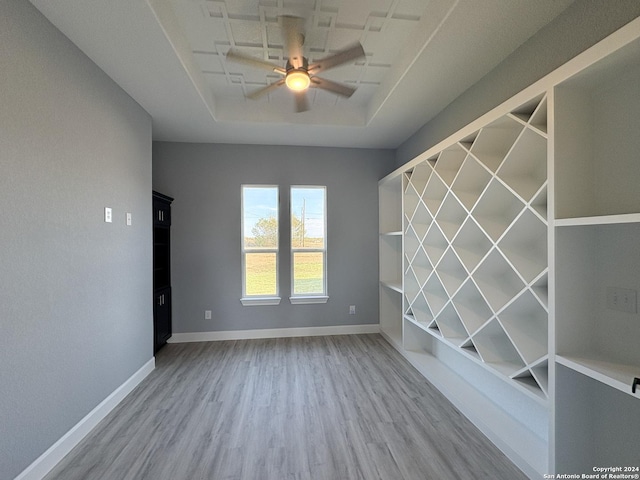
600 340
496 349
451 326
435 244
539 117
525 245
526 323
595 424
435 294
391 314
420 176
434 194
469 348
597 142
421 220
450 216
411 286
525 379
411 243
525 167
528 111
539 203
451 272
449 163
496 209
421 266
471 307
495 140
497 281
470 182
411 200
540 372
421 311
390 260
540 289
468 141
471 244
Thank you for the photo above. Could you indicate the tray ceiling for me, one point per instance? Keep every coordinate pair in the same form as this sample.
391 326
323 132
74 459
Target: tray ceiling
170 56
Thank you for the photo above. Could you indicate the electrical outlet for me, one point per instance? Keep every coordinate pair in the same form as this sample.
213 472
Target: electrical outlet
107 214
207 314
352 309
622 299
128 219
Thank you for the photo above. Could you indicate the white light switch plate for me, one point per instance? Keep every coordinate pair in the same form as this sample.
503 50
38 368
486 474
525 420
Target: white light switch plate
128 219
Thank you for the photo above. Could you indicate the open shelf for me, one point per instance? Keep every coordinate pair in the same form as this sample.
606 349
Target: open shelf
495 140
590 260
435 244
525 167
496 349
451 326
470 182
434 194
526 324
597 121
525 245
497 281
421 220
435 294
471 307
471 244
419 177
496 209
449 163
596 425
450 216
451 272
598 367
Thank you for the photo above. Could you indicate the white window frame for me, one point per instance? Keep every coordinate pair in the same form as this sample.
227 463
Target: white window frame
254 300
314 297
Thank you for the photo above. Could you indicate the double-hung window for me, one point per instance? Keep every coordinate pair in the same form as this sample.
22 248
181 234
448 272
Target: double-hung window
260 245
308 244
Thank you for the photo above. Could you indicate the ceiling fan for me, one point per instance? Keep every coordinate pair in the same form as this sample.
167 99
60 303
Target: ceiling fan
298 74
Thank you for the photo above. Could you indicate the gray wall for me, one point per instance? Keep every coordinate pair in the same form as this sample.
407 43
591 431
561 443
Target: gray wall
75 292
206 275
580 26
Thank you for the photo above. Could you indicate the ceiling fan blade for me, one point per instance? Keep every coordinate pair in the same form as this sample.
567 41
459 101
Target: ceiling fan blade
343 56
293 36
302 103
239 57
335 87
264 90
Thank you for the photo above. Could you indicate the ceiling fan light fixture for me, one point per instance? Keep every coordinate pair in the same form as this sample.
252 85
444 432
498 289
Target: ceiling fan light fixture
297 80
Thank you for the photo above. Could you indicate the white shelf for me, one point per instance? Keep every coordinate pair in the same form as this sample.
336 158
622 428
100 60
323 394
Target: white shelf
616 375
394 285
598 220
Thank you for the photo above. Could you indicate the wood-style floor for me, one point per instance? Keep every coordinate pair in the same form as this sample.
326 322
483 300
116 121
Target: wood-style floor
316 408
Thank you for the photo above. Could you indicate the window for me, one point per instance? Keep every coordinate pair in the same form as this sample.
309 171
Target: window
308 245
260 245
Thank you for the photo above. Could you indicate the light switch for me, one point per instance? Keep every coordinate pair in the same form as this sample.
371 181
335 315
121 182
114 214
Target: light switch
107 214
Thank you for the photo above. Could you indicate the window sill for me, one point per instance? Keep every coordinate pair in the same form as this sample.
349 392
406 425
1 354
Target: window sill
256 301
308 300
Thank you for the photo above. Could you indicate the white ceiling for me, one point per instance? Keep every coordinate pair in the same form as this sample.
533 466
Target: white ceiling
169 55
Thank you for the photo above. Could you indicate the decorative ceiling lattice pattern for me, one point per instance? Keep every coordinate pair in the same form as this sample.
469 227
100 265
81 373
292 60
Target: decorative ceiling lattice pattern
212 27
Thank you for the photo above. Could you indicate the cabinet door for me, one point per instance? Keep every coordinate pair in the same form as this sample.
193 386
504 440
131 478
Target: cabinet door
161 213
161 317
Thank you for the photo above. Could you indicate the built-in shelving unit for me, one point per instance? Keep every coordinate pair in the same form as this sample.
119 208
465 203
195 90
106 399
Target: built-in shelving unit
390 261
597 116
513 236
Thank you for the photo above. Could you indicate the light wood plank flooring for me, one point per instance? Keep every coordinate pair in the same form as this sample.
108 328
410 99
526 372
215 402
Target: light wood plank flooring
316 408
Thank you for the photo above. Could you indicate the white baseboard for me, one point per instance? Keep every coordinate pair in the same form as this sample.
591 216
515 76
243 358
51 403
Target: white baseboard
273 333
49 459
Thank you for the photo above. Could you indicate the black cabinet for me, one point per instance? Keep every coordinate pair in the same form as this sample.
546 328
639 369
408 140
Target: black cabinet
161 269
